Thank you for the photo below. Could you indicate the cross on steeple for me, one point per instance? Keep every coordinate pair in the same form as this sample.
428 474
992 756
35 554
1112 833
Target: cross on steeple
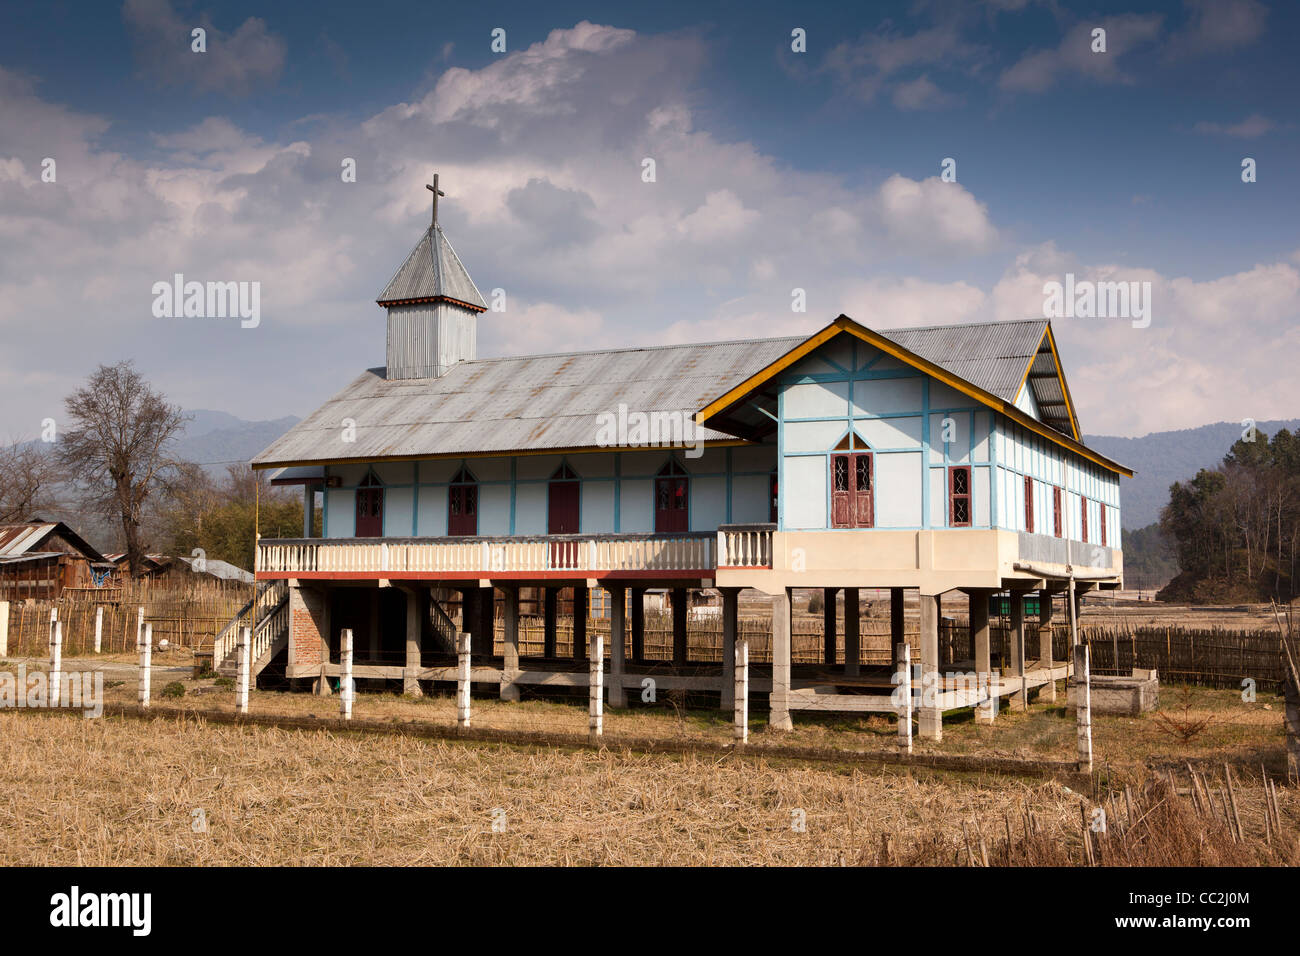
436 193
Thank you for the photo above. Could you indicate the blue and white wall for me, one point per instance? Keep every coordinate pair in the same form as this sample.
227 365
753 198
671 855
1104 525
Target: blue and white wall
917 428
616 494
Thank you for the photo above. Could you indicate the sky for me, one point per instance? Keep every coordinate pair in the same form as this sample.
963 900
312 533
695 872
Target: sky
820 169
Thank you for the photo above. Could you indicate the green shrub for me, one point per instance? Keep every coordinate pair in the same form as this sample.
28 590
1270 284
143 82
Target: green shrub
174 689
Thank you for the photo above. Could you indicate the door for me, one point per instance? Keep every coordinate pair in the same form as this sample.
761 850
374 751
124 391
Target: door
562 503
852 497
672 500
462 510
370 508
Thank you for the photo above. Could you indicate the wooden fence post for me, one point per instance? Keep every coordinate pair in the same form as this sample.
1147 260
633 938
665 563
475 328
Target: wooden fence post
740 731
462 680
345 674
903 679
145 647
595 686
56 664
1083 707
4 628
99 627
241 670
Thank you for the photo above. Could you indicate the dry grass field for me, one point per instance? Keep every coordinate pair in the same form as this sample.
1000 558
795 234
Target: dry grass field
124 791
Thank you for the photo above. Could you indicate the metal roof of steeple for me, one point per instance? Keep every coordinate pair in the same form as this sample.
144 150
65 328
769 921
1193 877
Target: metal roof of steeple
432 272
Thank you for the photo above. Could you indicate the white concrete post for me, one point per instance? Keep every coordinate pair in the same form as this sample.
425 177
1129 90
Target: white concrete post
462 680
930 718
1083 707
242 652
99 627
4 628
740 693
595 685
139 627
146 657
345 674
903 679
56 663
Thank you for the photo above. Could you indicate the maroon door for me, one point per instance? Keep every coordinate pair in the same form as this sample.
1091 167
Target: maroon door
462 509
562 510
672 511
370 512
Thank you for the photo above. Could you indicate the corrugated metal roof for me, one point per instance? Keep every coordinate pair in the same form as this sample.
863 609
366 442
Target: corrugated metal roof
531 402
544 402
21 538
432 271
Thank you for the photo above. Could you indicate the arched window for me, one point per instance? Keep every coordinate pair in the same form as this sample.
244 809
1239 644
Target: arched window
370 507
672 499
562 511
852 484
462 503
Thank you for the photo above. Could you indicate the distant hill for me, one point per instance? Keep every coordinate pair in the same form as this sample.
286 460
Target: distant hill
215 439
1161 458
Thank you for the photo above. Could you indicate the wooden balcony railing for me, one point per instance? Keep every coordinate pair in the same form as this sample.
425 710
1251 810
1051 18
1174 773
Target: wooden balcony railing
484 557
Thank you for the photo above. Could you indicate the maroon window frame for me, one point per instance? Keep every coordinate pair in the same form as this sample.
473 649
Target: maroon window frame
959 497
370 508
852 490
462 504
1083 512
1056 512
1029 504
672 500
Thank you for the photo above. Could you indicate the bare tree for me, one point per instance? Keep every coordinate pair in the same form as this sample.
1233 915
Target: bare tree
27 479
116 447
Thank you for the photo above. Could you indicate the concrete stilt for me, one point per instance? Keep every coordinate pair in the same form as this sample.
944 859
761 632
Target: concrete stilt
897 634
740 691
580 622
638 625
145 646
347 687
1017 700
729 621
463 645
510 646
979 630
595 687
242 653
852 627
680 596
830 650
1048 691
549 601
617 645
779 701
930 718
414 637
1083 708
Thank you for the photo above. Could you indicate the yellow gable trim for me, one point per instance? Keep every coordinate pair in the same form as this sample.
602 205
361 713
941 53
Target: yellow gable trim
844 324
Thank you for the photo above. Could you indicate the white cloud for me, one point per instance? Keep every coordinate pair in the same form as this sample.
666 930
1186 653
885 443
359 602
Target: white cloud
1040 69
934 212
1252 126
1217 26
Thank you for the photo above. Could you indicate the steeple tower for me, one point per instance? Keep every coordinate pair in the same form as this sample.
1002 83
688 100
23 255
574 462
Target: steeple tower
433 307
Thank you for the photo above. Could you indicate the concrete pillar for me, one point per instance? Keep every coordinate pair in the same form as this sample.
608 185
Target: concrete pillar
347 687
580 622
463 645
829 651
414 646
56 664
1048 691
779 701
903 683
99 626
1083 708
727 699
243 651
485 637
145 647
1017 700
852 626
4 628
679 625
549 600
740 691
930 718
510 646
595 688
896 621
617 645
638 625
979 631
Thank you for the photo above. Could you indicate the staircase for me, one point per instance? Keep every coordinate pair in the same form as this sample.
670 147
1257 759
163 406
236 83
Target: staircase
267 613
